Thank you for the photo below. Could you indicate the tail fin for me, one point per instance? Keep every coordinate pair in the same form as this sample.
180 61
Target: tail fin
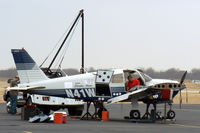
27 69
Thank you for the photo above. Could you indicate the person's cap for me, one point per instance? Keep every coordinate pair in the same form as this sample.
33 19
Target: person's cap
129 76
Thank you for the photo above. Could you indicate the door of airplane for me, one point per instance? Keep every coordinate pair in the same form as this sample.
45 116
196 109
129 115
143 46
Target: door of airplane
102 82
117 84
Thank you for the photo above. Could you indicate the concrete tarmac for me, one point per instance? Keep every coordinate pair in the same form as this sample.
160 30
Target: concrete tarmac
187 121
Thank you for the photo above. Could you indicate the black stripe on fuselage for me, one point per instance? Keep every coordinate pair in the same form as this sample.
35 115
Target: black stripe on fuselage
49 92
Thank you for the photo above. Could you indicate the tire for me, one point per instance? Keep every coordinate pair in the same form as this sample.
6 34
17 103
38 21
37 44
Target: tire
75 111
8 105
171 114
135 114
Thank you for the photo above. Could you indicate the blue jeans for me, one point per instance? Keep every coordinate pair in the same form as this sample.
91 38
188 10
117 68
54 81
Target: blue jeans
13 107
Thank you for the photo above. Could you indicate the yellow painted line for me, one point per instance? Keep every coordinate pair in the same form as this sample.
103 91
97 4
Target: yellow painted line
27 132
187 126
75 116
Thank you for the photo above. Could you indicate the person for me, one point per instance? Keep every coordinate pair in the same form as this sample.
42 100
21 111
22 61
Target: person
81 71
132 82
13 95
14 82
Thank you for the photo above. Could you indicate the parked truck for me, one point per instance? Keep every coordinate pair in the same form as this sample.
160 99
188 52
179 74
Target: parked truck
45 103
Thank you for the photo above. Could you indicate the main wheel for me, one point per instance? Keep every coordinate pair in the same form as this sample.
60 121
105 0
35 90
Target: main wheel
171 114
135 114
8 105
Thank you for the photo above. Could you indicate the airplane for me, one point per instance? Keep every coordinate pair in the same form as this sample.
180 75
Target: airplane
102 86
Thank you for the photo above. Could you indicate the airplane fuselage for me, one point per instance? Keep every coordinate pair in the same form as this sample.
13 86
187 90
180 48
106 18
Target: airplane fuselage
84 86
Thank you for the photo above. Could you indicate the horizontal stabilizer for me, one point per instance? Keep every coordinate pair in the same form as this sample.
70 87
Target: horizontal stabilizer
25 88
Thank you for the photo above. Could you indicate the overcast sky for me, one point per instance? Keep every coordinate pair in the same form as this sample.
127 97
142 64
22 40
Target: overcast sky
118 33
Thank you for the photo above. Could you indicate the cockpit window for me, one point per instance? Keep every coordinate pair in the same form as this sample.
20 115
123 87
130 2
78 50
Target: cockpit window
139 75
117 78
146 77
133 74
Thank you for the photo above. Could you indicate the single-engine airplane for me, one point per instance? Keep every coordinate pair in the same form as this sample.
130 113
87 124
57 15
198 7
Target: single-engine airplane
96 87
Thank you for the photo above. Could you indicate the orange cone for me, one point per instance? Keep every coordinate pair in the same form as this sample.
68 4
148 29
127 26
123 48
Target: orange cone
105 116
58 117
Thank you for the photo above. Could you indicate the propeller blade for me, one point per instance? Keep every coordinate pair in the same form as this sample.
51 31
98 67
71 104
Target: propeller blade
181 83
180 99
183 78
186 96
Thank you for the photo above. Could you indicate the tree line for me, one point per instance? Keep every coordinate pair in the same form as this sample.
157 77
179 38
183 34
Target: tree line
171 73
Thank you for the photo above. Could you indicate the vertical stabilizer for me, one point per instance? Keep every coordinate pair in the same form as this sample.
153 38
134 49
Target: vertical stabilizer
28 71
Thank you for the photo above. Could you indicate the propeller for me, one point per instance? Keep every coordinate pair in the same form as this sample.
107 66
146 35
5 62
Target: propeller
181 83
186 95
180 99
183 78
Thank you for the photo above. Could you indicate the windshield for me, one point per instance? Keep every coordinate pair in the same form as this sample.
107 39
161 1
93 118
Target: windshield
138 74
146 77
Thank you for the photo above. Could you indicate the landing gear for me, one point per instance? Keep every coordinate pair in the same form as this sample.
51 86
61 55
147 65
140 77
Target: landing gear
171 114
135 114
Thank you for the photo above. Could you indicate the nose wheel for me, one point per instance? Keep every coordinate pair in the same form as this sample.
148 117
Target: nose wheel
171 114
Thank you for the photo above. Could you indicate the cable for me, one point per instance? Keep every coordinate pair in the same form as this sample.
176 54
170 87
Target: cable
66 47
57 43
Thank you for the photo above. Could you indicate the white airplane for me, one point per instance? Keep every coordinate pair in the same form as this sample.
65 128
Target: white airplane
98 87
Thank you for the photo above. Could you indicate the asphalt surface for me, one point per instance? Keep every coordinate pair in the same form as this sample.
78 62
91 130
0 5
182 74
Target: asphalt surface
187 121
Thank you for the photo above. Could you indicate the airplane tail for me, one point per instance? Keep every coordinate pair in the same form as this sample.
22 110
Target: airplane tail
28 71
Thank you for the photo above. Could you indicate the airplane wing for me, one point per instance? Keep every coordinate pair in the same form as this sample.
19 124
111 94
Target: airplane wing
138 94
25 88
